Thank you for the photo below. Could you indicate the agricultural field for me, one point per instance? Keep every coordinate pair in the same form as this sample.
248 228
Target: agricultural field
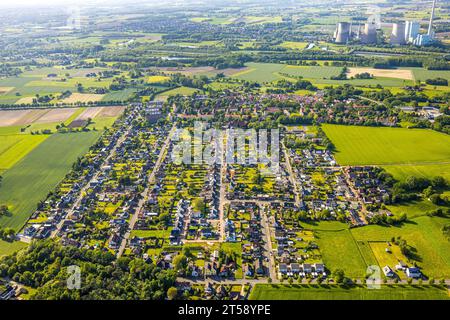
181 91
422 74
82 98
260 72
388 147
157 79
384 73
15 147
294 45
315 72
330 292
321 75
29 181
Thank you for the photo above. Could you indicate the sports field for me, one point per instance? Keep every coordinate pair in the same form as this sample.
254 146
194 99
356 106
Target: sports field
29 181
330 292
408 149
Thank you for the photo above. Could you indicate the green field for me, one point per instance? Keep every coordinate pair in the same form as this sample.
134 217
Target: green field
350 250
424 234
423 74
181 91
387 146
400 172
318 75
338 248
315 72
15 147
121 95
260 72
414 208
312 292
29 181
294 45
7 248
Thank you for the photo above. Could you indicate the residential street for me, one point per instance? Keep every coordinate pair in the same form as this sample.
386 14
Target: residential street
151 178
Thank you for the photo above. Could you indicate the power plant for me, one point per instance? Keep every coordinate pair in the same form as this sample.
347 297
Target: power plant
412 29
398 34
342 33
369 34
402 32
428 38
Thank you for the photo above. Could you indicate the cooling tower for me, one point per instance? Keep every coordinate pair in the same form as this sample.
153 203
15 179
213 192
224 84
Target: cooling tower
369 34
343 32
412 29
398 34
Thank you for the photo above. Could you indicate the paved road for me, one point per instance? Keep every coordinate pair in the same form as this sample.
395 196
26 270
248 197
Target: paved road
291 175
150 181
265 223
222 197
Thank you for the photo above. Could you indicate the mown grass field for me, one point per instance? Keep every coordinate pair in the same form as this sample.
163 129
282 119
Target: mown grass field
315 72
423 74
351 249
312 292
181 90
260 72
400 172
413 209
338 248
29 181
424 234
386 146
7 248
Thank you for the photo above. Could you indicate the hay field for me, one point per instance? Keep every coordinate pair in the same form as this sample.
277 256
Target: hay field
404 74
57 115
10 117
83 98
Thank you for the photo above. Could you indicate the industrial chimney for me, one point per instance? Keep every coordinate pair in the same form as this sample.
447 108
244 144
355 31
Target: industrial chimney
430 26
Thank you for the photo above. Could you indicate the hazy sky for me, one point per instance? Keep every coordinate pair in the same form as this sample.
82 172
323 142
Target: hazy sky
42 3
30 3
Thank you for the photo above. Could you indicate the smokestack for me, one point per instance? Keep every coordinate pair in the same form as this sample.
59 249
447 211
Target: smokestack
430 26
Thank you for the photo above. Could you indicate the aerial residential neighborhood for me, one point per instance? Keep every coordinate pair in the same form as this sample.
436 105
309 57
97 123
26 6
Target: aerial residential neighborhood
225 150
